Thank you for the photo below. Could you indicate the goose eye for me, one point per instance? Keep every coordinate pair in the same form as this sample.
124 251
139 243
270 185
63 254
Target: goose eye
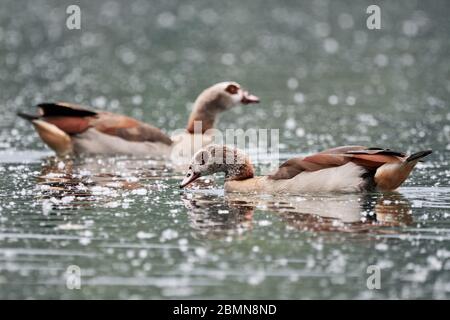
232 89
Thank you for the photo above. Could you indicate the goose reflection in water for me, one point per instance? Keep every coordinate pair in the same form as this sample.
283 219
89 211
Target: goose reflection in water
214 215
96 181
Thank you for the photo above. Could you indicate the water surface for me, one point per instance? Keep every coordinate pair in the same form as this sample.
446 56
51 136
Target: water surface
324 80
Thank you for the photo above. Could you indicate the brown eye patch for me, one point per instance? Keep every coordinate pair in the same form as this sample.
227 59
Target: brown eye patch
232 89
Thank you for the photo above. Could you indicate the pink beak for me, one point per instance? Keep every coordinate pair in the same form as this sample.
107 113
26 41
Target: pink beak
249 98
190 177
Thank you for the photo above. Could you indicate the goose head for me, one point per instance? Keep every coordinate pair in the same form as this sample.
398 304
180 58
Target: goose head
216 99
219 158
225 95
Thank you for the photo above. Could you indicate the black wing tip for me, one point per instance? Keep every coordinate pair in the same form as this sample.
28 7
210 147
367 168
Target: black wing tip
381 151
61 109
47 104
419 155
26 116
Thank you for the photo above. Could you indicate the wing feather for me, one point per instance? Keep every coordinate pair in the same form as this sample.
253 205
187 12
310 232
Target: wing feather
129 129
76 119
369 158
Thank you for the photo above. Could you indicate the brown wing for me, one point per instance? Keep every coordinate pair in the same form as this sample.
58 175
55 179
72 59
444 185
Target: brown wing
363 150
315 162
343 149
370 158
70 118
70 125
61 109
129 129
75 119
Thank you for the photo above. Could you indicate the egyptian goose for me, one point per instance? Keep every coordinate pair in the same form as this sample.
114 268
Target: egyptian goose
341 169
71 129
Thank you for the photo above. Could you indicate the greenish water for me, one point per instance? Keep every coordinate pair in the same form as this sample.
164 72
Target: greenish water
324 79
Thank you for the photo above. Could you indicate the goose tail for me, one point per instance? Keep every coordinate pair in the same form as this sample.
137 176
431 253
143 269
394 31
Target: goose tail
390 176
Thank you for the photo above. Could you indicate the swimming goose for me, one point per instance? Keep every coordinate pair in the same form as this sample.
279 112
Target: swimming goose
341 169
71 129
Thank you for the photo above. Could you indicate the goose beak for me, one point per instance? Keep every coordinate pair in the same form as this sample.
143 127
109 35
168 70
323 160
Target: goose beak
248 98
190 177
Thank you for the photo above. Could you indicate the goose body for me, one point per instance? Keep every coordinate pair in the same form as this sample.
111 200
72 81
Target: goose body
341 169
72 129
93 141
346 178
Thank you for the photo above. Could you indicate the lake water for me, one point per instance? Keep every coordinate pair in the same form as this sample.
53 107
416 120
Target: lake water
324 80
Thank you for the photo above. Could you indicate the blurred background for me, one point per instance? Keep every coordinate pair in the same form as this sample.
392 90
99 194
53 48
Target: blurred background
324 79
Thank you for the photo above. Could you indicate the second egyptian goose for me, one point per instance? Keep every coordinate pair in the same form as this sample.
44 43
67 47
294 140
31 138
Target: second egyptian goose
71 129
341 169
